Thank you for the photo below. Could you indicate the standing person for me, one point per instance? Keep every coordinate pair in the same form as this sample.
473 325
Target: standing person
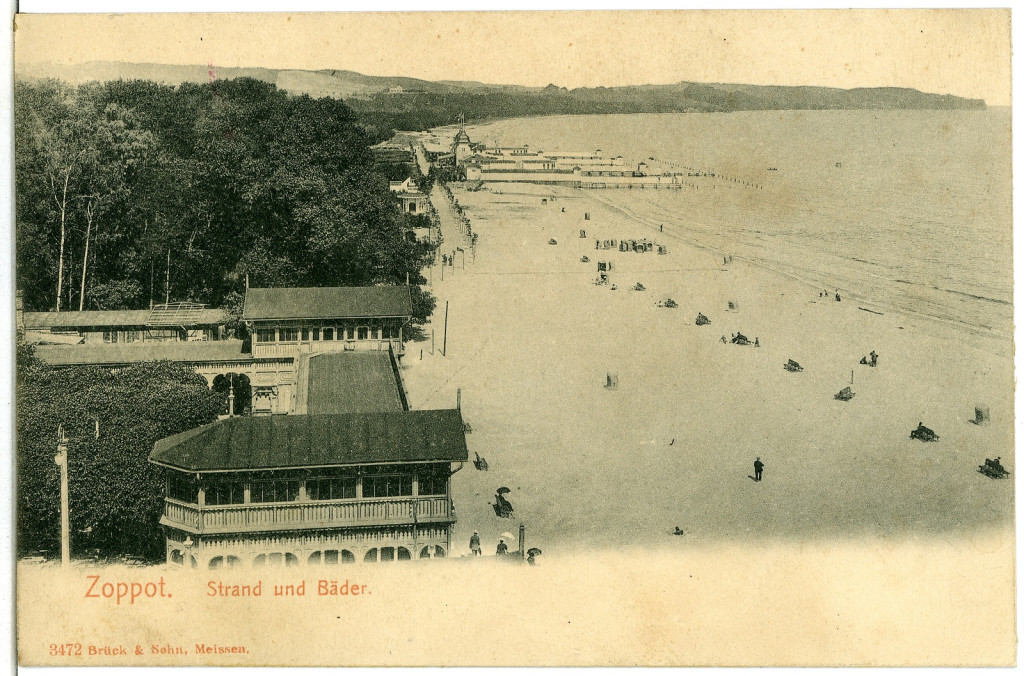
758 468
502 548
474 544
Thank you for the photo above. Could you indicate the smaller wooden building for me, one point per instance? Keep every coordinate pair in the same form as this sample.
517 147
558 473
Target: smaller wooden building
287 322
172 322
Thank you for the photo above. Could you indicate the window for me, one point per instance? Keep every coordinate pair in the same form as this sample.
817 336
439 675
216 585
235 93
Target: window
278 490
362 333
182 487
338 488
316 334
225 493
305 335
265 335
110 336
387 486
288 335
389 331
433 483
328 334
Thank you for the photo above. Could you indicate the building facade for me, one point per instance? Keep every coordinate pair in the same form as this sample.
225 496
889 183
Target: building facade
312 489
172 322
287 326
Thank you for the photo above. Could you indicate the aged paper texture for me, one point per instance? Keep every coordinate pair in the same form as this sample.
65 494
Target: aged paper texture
576 338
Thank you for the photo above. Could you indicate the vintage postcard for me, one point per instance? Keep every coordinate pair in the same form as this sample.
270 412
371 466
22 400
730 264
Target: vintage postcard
515 338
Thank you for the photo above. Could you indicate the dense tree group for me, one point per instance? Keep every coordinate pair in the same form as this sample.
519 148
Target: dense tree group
130 192
111 421
420 110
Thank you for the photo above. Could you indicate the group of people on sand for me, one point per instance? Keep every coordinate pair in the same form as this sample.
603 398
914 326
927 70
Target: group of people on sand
502 549
474 545
826 294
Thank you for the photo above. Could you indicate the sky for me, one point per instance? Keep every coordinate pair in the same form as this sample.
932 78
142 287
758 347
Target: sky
961 52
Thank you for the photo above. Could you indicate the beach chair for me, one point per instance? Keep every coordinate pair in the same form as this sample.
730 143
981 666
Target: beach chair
993 469
793 366
845 394
740 339
552 241
923 433
702 320
639 287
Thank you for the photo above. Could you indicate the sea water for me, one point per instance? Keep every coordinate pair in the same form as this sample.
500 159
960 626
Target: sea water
908 210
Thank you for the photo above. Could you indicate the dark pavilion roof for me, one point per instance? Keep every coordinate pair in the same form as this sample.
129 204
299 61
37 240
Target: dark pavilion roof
342 302
74 319
292 441
352 382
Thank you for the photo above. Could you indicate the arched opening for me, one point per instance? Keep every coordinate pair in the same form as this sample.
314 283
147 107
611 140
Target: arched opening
224 562
435 550
331 557
404 554
370 556
276 559
243 390
177 557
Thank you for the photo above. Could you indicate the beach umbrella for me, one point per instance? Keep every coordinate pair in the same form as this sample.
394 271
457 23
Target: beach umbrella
533 551
503 490
508 536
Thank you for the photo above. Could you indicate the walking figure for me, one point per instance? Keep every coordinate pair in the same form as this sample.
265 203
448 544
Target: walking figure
874 358
502 548
758 468
474 544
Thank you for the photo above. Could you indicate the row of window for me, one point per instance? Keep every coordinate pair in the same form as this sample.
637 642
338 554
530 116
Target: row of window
130 336
184 488
294 335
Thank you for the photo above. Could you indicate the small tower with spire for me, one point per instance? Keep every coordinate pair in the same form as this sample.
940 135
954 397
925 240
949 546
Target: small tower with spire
460 147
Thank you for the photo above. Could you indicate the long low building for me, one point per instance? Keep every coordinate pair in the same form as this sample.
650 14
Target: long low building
170 322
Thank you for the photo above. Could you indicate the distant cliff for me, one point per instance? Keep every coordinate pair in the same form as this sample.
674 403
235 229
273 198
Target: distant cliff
387 103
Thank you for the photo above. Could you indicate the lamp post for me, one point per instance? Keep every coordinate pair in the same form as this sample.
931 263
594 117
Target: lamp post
61 459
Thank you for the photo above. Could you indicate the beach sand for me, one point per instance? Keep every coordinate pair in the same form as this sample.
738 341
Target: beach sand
531 340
